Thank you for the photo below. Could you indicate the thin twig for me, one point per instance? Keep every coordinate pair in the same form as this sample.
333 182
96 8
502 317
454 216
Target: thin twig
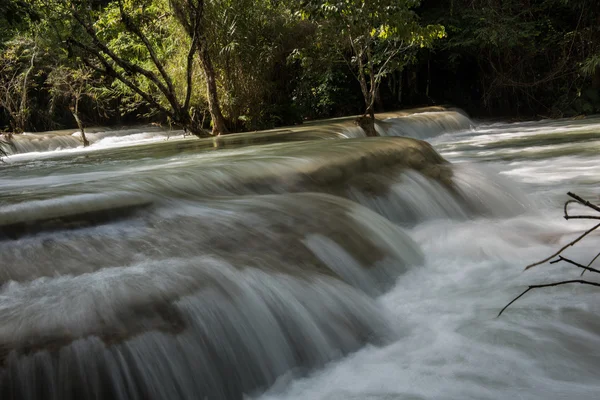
547 285
567 217
567 205
561 258
564 247
584 201
590 263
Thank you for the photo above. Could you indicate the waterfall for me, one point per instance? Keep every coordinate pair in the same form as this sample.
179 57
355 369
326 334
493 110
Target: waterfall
65 140
428 124
419 125
422 125
188 270
252 307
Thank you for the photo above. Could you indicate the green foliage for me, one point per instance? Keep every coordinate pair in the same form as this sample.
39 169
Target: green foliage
591 65
15 18
276 62
375 37
156 24
17 70
250 47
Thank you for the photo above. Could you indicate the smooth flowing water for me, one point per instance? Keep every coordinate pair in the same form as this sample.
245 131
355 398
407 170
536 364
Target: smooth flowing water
308 263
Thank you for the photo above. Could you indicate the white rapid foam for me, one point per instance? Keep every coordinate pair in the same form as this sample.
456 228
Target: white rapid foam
545 345
428 124
98 138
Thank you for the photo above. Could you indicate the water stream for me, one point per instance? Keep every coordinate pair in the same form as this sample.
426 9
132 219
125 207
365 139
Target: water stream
305 263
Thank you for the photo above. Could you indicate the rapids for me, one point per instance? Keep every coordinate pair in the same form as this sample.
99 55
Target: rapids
300 263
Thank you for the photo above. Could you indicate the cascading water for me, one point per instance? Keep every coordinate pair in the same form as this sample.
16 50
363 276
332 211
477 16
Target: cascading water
308 267
64 140
422 125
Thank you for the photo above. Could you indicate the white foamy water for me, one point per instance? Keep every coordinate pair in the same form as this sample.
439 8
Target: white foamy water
452 346
321 269
30 145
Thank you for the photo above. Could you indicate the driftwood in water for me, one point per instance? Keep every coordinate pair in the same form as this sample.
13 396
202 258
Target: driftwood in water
579 200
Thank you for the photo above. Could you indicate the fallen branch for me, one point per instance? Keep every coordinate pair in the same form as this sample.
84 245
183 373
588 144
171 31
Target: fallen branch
547 285
564 247
585 268
583 202
591 262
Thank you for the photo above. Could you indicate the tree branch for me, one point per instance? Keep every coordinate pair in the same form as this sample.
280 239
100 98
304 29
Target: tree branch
581 201
564 247
111 71
126 65
132 27
547 285
568 260
590 263
189 72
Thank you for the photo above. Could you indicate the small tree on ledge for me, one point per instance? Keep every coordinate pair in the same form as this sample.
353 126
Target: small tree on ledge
70 86
374 37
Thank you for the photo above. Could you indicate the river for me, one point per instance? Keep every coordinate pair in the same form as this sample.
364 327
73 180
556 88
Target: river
303 263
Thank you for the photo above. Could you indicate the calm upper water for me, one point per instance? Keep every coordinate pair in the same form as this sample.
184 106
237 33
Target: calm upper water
278 268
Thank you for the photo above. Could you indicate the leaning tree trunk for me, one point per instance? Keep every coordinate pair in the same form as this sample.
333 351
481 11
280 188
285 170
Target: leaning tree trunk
367 121
195 128
75 112
219 126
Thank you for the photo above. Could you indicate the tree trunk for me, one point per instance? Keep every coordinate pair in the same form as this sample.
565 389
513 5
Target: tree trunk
197 130
219 126
367 121
75 112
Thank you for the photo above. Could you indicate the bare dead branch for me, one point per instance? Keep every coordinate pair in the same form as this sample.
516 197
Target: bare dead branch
591 262
584 201
564 247
578 265
581 217
531 287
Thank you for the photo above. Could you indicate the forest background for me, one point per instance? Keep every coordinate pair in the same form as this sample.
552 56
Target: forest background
218 66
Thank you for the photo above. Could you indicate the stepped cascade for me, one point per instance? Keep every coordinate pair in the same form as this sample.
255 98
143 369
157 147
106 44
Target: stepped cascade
308 262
